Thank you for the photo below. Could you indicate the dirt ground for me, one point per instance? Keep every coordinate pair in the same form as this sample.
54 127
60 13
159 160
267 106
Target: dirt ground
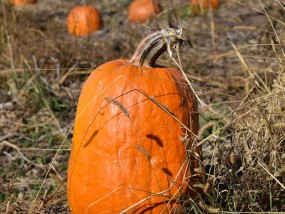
234 57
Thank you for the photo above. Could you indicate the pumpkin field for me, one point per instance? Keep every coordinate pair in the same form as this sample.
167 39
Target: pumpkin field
142 106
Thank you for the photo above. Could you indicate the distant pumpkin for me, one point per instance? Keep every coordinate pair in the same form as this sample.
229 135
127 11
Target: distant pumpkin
197 6
142 10
83 20
23 2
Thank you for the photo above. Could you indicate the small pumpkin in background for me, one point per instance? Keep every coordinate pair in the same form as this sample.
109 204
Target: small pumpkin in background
23 2
142 10
198 6
133 148
83 20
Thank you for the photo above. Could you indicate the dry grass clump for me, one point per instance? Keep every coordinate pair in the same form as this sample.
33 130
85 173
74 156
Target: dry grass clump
259 142
245 154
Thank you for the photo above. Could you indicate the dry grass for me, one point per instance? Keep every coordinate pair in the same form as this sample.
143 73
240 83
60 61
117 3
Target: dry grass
246 153
236 65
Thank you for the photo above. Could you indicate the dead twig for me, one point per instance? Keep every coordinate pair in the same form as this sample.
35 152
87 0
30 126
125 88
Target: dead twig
272 176
20 153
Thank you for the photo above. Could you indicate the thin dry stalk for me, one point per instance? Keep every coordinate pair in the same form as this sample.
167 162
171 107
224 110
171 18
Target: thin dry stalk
6 143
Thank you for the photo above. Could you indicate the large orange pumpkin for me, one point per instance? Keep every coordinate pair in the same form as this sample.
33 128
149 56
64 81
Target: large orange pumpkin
199 5
134 124
141 10
83 20
23 2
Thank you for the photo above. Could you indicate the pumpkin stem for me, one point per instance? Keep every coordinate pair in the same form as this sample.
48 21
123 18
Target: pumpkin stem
155 44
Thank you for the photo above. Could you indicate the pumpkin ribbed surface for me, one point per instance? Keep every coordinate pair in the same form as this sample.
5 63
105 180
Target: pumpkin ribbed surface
126 150
83 20
132 149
